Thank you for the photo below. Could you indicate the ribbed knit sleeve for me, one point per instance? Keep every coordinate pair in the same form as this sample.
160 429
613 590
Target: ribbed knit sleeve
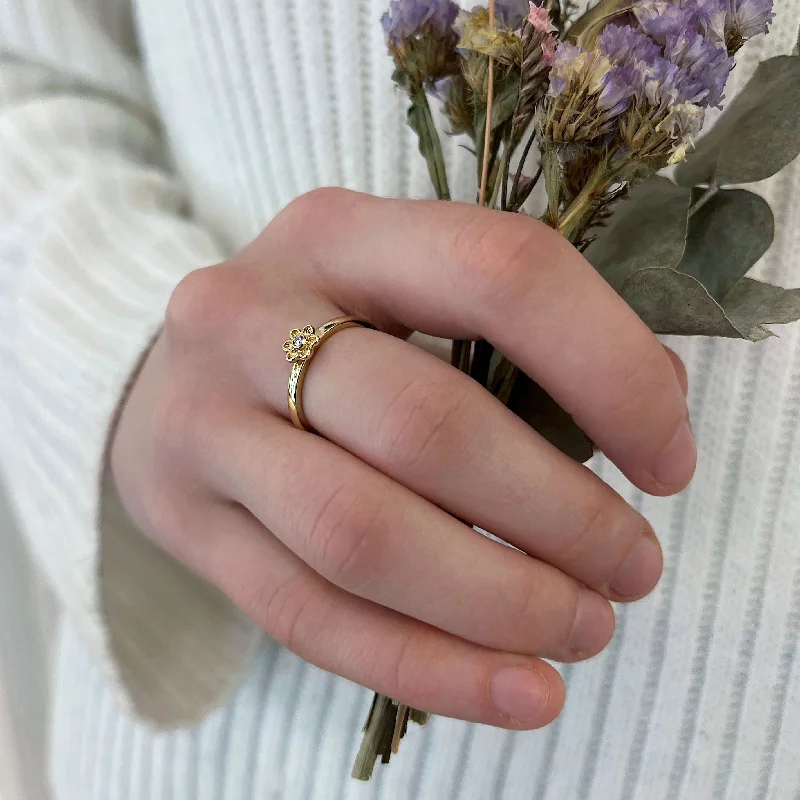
94 235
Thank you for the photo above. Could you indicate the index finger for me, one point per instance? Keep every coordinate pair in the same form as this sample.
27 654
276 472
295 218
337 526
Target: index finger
463 272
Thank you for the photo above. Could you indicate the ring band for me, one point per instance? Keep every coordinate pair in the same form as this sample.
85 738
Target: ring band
300 348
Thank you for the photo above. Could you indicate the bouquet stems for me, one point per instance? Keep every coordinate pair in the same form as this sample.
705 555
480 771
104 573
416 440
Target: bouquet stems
387 720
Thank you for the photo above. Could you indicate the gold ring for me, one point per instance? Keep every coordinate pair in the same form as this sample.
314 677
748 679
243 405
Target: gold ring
300 348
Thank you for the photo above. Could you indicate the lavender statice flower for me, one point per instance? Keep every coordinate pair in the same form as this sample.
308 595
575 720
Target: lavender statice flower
666 108
711 15
661 121
728 23
662 18
421 39
511 12
705 65
624 44
408 19
587 95
746 19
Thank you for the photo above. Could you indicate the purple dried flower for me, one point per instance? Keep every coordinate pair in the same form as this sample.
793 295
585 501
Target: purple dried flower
588 93
563 61
711 17
623 45
658 84
617 91
406 19
661 18
706 67
511 12
746 19
422 41
725 22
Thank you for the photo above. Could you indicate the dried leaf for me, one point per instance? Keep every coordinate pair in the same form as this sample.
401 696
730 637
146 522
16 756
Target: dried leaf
670 302
727 235
589 26
752 304
648 229
757 136
505 102
421 122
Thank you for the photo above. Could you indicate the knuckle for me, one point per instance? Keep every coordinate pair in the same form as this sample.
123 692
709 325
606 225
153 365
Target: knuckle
203 305
426 415
606 530
283 610
408 672
526 612
643 378
596 517
315 209
347 541
495 258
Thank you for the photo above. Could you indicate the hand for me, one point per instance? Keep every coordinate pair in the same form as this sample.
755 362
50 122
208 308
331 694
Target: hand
346 547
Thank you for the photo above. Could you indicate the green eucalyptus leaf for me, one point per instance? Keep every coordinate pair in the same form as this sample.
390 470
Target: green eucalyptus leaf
727 235
531 403
757 136
648 229
752 304
670 302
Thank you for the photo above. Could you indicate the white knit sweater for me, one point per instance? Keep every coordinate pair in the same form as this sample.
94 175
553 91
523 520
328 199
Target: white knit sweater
137 144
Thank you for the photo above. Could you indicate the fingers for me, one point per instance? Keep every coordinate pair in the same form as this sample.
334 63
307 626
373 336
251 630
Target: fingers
378 648
471 273
378 540
440 434
437 432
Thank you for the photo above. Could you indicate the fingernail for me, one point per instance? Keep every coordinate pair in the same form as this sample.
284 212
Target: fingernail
519 693
640 572
678 460
590 633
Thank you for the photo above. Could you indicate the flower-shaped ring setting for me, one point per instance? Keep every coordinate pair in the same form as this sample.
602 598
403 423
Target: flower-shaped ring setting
301 343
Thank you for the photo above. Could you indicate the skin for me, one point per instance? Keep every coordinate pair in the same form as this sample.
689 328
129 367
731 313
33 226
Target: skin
346 547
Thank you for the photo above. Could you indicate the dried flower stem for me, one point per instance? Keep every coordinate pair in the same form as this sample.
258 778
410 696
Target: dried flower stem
430 144
487 136
516 201
707 196
460 357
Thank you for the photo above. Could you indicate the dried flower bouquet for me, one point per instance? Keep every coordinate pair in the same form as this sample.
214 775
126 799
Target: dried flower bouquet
595 105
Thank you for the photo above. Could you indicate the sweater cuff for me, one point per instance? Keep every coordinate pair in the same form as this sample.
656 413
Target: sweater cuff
171 644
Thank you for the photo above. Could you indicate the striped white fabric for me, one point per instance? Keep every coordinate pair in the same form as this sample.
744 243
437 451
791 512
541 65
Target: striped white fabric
139 143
